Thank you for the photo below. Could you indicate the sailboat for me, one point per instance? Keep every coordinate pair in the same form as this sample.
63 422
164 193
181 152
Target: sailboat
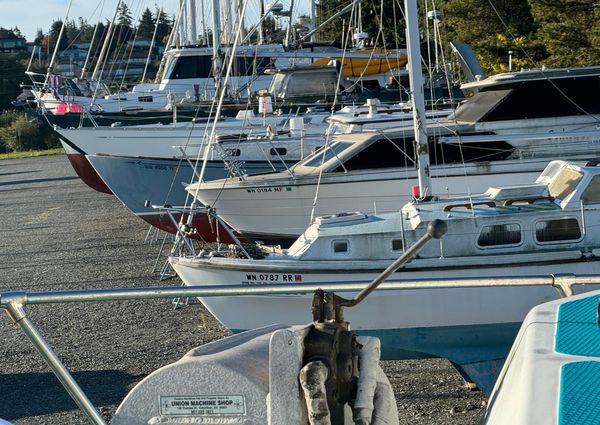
547 227
136 170
505 134
191 76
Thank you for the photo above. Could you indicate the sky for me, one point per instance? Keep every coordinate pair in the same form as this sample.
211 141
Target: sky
31 15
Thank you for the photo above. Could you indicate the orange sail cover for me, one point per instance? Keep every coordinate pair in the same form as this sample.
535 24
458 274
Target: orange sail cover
360 67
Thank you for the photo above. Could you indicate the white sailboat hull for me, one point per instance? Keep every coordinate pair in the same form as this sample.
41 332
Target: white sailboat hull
427 312
163 141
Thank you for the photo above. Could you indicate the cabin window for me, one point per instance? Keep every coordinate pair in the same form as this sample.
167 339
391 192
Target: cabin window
533 99
326 154
382 153
591 195
340 246
311 84
232 152
397 244
192 67
564 229
500 235
564 183
278 151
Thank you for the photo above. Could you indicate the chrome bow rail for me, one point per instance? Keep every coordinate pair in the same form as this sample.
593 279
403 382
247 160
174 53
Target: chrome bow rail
14 304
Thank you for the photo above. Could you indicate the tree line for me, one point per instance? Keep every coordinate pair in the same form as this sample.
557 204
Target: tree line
16 132
551 33
125 29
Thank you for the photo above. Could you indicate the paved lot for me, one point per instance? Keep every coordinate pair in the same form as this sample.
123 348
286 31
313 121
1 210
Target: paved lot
56 233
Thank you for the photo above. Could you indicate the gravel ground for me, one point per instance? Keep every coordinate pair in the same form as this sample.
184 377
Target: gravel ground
58 234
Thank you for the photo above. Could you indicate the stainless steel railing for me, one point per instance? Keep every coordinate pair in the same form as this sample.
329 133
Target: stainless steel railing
14 304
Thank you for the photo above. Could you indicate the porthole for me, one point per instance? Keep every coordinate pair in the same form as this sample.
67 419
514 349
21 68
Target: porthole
340 246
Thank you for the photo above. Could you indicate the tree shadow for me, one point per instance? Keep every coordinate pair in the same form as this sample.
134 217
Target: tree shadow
19 172
34 394
55 179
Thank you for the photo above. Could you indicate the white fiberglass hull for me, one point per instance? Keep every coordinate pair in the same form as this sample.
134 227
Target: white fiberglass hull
281 209
165 141
552 375
469 326
410 308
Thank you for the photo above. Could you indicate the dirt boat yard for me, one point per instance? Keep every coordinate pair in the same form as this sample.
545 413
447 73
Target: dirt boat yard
58 234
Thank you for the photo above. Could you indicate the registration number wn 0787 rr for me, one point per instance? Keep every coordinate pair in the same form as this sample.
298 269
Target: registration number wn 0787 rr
268 278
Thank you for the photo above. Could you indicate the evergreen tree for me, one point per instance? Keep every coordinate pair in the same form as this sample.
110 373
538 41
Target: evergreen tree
325 9
17 32
72 32
39 38
86 31
494 31
124 15
53 36
10 33
383 21
271 32
165 24
99 39
146 25
12 72
568 29
123 32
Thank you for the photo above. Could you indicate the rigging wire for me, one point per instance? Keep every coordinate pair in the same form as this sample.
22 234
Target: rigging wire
328 134
537 66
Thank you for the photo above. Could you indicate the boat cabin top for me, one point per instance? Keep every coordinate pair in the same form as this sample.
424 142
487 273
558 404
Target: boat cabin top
551 214
531 94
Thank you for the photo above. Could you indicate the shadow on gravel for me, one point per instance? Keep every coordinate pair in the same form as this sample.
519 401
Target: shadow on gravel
20 172
55 179
34 394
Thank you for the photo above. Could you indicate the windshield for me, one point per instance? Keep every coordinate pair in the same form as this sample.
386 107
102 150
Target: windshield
564 183
277 84
325 154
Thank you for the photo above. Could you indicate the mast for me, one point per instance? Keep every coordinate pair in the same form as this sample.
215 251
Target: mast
204 36
289 27
227 19
216 35
261 37
62 29
313 20
238 11
87 57
159 14
193 32
183 27
107 40
415 73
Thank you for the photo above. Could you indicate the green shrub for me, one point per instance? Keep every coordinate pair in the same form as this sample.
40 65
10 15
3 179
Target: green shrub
18 134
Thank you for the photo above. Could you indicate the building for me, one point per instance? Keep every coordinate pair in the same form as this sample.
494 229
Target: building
11 43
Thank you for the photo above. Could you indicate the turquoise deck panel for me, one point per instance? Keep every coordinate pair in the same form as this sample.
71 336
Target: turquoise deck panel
579 402
577 331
